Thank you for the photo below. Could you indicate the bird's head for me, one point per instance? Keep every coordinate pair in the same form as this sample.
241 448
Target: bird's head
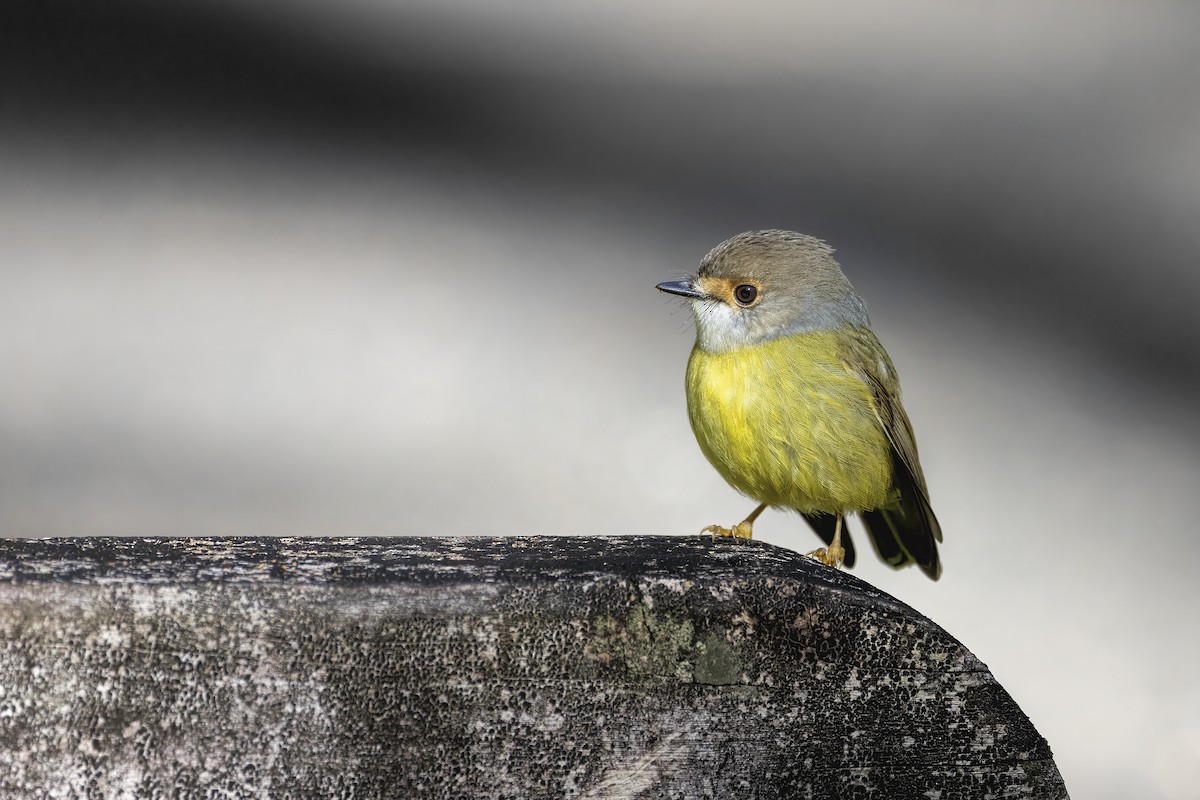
761 285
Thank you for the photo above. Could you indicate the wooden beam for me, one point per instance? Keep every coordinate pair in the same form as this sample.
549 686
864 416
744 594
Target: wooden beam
529 667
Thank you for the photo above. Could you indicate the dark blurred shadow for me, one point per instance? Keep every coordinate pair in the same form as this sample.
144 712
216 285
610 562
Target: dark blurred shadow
1008 209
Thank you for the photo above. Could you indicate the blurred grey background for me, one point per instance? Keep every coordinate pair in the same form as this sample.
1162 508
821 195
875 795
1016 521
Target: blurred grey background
281 267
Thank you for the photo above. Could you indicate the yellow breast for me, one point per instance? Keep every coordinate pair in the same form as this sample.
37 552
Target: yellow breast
786 423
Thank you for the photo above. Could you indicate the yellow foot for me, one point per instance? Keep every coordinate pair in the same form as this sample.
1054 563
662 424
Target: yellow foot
742 530
831 556
834 554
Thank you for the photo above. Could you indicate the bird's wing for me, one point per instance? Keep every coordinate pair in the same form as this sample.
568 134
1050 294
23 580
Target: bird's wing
907 532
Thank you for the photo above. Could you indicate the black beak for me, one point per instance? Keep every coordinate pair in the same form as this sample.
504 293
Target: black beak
681 288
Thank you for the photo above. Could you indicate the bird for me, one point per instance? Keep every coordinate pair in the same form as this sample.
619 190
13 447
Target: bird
795 402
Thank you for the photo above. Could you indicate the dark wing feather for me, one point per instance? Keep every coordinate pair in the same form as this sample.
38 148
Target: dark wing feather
907 531
825 525
881 534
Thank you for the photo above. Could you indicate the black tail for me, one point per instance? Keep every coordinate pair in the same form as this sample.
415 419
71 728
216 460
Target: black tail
907 532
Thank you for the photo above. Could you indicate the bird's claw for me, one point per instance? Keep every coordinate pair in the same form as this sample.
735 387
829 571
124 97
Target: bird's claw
743 530
832 556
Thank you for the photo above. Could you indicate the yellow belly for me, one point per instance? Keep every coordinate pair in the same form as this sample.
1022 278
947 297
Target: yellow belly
787 424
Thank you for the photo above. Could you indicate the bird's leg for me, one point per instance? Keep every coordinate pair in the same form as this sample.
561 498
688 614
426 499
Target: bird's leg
832 555
743 530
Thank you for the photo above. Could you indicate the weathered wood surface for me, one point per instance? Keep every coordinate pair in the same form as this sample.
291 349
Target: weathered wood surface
543 667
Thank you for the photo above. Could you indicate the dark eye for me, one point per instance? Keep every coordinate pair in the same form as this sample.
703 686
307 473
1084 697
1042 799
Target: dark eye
745 294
